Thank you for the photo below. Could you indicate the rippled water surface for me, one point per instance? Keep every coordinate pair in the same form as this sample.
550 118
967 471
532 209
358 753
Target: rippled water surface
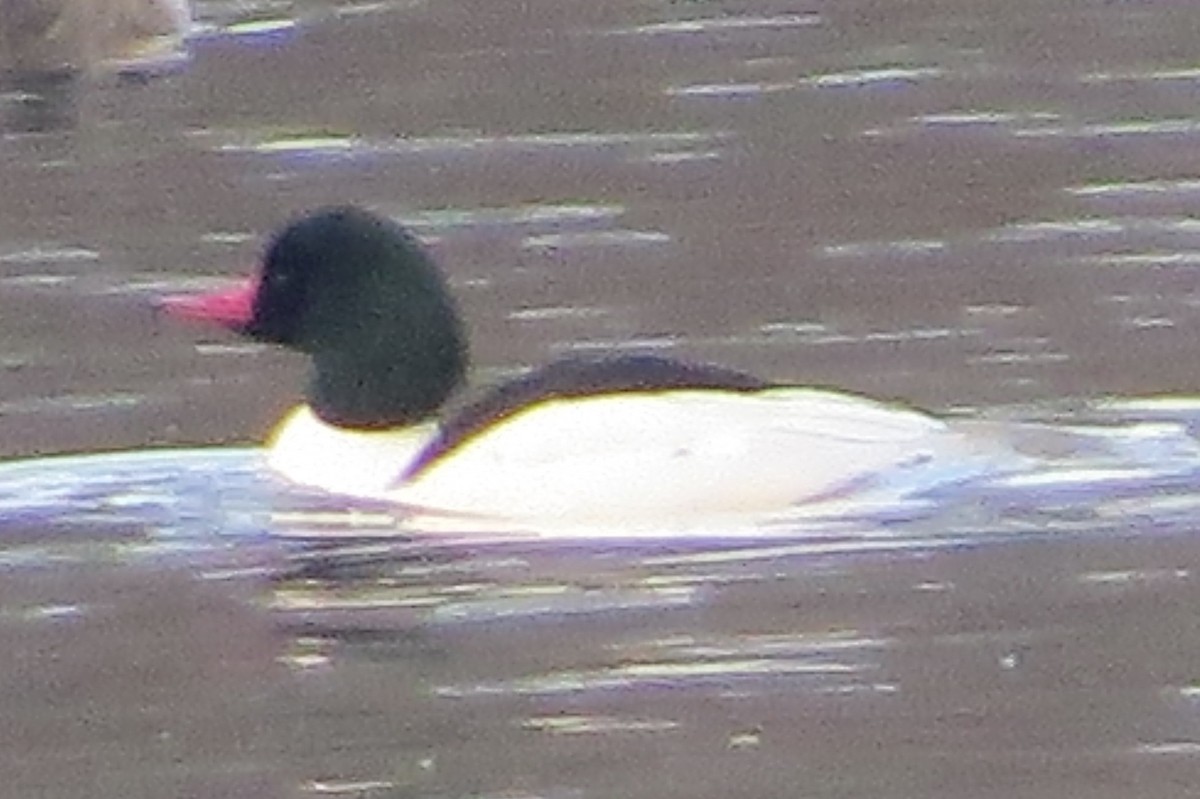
982 208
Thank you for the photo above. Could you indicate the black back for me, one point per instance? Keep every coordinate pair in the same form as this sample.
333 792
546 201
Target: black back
578 377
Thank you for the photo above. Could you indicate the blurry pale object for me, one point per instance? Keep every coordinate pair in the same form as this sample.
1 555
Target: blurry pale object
86 35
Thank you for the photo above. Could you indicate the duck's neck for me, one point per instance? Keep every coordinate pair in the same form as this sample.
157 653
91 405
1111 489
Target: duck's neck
385 390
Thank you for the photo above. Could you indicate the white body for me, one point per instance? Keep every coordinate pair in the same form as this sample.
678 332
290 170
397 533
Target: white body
617 463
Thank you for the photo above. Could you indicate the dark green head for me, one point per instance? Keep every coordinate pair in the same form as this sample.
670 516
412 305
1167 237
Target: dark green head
360 295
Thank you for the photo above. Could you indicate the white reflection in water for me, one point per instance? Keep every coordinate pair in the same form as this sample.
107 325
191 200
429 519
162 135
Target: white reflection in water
854 79
1141 259
1016 124
1182 186
966 119
553 313
724 23
683 157
1117 130
1094 227
49 254
1136 454
819 676
508 217
838 662
880 248
348 145
73 403
591 725
600 238
1184 75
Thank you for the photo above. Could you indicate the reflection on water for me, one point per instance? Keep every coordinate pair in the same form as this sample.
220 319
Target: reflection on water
1056 478
1027 613
978 206
37 102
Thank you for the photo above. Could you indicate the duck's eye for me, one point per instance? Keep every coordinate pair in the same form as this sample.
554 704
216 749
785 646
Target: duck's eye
278 280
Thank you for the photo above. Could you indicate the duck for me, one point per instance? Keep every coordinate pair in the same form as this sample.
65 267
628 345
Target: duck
623 441
83 36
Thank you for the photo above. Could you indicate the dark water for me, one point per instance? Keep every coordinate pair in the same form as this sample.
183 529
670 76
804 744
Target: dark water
983 208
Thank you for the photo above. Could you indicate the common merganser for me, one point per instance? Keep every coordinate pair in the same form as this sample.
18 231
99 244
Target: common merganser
615 442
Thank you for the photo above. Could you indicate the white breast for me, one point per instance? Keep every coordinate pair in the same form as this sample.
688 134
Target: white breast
630 461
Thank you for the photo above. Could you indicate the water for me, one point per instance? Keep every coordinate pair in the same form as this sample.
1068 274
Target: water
980 208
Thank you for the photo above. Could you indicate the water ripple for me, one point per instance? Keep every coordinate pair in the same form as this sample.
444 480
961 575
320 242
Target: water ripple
852 79
1138 188
1134 453
327 145
602 238
721 24
1130 129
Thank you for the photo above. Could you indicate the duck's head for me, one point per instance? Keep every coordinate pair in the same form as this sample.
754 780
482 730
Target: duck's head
360 295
